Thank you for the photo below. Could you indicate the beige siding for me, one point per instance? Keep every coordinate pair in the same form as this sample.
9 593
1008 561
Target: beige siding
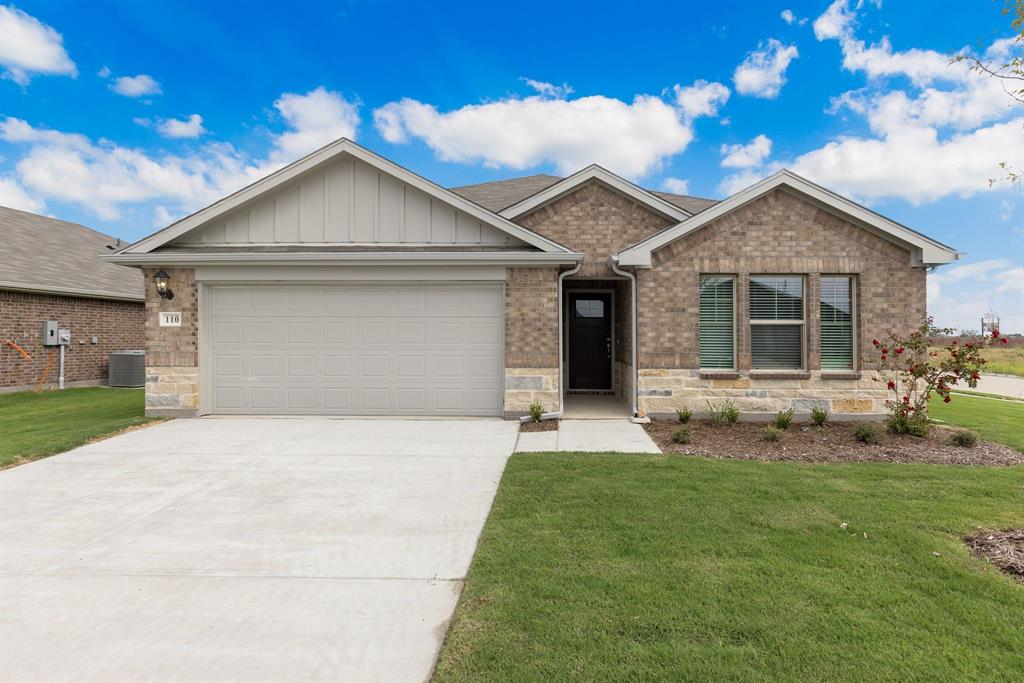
349 202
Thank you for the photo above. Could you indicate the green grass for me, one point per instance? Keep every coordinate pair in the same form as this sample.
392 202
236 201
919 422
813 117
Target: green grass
1005 360
994 420
36 425
620 567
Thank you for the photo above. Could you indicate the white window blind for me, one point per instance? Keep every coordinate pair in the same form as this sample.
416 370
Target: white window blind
777 322
716 323
836 306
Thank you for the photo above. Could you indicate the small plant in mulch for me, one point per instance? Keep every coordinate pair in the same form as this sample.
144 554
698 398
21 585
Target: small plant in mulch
819 415
866 433
684 415
726 413
542 426
682 435
914 374
1004 549
783 419
772 434
536 410
964 438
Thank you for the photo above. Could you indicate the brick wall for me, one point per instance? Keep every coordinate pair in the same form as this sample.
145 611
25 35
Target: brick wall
776 234
172 353
117 325
531 318
596 222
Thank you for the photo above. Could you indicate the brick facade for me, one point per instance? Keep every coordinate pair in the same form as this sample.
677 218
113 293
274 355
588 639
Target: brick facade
596 222
172 353
117 326
776 234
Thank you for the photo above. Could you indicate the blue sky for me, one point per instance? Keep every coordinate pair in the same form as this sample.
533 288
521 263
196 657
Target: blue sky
125 116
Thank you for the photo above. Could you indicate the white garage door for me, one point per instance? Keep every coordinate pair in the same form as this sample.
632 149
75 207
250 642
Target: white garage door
374 349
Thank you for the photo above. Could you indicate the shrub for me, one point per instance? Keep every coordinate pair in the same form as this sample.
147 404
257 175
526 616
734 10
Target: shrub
913 373
725 414
964 438
783 419
904 423
536 410
819 416
866 433
684 415
682 435
772 434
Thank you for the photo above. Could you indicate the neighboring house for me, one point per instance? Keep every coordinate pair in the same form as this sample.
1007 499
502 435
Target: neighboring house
345 284
53 270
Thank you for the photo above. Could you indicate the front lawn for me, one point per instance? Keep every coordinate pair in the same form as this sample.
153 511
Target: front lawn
36 425
1006 360
994 419
625 567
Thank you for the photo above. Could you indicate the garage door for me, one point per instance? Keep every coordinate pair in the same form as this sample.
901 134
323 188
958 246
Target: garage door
355 350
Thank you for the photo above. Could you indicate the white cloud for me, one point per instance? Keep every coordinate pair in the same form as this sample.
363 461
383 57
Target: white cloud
701 98
104 72
28 46
959 295
549 89
136 86
1006 209
630 138
937 129
192 127
106 178
13 196
763 72
745 156
790 18
676 185
316 118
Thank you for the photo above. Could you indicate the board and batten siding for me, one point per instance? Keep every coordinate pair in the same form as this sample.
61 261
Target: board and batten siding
349 202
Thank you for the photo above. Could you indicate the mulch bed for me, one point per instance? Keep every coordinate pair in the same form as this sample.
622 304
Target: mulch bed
834 442
542 426
1004 549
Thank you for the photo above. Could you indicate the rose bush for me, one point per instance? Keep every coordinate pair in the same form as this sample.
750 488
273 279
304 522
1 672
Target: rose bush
913 374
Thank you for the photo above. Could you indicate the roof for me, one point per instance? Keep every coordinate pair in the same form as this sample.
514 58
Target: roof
42 254
316 159
501 194
925 251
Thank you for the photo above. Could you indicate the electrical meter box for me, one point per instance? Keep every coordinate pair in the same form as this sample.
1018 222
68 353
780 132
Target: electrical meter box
51 335
63 337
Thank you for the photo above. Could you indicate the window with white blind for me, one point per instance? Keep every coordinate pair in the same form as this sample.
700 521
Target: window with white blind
836 306
777 322
716 323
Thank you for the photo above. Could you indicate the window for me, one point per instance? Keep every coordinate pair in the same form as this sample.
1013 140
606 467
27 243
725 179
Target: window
777 322
589 308
716 323
836 304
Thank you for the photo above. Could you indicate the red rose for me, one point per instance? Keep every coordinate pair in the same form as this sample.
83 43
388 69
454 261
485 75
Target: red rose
947 399
892 385
995 334
906 399
899 350
1004 340
875 342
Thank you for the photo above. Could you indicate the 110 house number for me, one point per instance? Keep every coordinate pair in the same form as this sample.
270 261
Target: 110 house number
170 319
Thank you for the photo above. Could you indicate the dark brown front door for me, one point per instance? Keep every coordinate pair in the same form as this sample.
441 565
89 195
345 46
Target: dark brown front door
590 341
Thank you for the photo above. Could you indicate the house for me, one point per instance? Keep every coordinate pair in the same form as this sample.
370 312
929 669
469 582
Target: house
53 270
345 284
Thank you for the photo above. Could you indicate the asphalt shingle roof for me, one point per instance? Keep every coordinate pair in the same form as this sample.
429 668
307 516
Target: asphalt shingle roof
46 254
501 194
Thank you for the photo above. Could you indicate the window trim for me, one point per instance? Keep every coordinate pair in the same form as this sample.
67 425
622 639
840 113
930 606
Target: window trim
854 322
789 323
735 346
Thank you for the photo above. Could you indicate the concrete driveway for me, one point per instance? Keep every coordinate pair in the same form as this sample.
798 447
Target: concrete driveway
244 550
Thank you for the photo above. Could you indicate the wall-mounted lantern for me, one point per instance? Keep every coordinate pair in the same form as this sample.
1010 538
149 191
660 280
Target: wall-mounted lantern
162 281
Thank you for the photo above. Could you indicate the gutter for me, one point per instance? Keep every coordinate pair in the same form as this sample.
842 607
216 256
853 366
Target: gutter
347 257
633 317
557 414
69 291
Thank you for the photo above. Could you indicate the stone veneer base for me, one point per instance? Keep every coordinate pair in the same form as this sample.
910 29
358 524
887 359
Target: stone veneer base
524 385
172 391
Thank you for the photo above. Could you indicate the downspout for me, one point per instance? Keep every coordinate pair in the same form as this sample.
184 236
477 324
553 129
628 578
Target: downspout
557 414
633 314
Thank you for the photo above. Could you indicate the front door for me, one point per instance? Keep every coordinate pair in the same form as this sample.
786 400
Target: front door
590 341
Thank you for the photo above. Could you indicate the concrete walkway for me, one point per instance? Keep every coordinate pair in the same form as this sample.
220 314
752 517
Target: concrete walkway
1002 385
244 550
619 435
